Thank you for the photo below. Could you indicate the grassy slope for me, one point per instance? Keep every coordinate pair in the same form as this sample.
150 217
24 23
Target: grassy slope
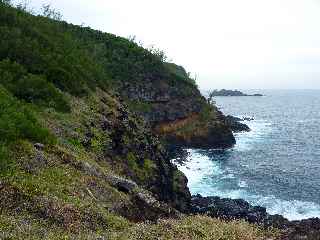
64 190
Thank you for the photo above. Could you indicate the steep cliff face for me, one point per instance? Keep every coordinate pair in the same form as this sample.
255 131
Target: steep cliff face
124 141
178 112
160 92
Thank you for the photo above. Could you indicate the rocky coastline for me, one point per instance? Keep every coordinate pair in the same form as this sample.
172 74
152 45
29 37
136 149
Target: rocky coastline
230 209
239 209
86 154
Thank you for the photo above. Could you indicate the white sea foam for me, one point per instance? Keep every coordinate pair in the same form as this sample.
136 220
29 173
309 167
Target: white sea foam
228 176
259 129
293 210
197 167
242 184
201 172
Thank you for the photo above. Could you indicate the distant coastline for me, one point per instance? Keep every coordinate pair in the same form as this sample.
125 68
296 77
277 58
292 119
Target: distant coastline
232 93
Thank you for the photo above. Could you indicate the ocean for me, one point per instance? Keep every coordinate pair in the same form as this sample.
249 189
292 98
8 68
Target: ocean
276 165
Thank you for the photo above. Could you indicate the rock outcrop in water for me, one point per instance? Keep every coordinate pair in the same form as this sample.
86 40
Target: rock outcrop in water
236 124
232 93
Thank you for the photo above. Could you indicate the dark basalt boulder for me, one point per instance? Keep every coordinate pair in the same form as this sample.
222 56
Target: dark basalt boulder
247 119
229 209
235 124
308 229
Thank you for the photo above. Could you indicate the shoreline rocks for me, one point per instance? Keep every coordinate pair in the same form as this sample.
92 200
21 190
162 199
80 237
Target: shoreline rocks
230 209
236 125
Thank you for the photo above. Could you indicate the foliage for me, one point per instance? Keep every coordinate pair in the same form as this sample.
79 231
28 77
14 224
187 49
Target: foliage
6 2
43 47
76 59
31 88
210 98
125 60
48 11
17 121
160 54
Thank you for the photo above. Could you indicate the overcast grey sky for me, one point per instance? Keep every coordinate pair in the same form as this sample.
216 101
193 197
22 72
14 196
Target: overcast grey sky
244 44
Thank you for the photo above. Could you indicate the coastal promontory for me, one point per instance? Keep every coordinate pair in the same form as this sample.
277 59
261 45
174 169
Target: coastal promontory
87 119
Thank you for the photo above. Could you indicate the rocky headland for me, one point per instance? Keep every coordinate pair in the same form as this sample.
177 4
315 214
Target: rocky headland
87 120
178 113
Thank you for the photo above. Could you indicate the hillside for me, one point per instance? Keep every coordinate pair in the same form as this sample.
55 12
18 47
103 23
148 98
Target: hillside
85 121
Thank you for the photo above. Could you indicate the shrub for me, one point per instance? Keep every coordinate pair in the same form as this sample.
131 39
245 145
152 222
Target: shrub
35 89
18 121
31 88
62 79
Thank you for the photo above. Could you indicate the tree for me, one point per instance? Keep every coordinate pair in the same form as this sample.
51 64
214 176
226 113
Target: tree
158 53
24 5
210 100
48 11
6 2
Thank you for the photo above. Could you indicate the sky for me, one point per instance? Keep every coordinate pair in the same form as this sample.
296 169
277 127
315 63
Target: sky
233 44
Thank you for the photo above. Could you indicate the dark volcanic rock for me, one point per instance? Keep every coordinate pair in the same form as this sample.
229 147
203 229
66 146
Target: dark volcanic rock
174 105
235 124
39 146
132 147
237 209
229 209
214 137
247 119
305 229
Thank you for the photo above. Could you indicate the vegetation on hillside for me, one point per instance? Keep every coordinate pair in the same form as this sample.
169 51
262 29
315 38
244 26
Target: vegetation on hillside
17 122
188 228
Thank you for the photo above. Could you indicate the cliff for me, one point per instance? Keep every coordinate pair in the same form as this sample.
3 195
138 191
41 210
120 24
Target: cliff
162 93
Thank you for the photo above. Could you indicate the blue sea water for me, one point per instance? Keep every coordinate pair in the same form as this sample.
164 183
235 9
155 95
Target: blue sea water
276 165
